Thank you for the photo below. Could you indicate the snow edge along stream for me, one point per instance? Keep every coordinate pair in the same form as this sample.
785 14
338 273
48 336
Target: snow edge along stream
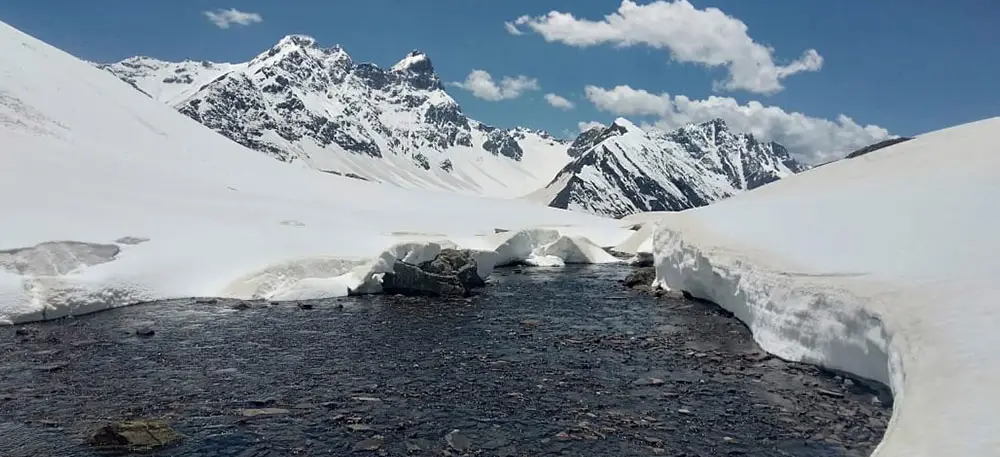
794 317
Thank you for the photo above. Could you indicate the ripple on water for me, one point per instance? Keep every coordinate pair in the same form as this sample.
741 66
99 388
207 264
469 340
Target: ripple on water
545 362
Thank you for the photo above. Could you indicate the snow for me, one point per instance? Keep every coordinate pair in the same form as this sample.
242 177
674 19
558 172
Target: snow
170 82
394 118
410 60
109 198
629 170
884 265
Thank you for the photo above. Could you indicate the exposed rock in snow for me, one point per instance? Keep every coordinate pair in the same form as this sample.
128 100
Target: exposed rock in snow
621 169
884 265
458 262
408 279
298 101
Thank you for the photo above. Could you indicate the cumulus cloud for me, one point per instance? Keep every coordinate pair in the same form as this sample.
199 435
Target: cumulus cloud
559 101
226 18
810 139
584 126
482 85
708 37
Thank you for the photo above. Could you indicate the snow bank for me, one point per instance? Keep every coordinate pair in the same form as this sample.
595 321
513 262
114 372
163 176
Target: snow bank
884 266
108 198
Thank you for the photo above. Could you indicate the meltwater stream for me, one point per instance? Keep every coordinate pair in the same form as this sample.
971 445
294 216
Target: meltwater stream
544 362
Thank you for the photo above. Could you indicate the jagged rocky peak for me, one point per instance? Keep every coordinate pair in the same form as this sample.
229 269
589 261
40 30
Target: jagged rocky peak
415 61
416 69
299 101
294 48
297 40
623 169
622 126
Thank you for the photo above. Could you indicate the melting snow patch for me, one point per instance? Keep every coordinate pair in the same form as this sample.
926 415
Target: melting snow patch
56 257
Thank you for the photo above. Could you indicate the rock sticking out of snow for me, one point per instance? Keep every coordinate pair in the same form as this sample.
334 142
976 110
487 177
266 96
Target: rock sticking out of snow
408 279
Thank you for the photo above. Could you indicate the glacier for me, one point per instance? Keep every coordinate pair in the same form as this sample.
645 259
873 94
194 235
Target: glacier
110 198
884 265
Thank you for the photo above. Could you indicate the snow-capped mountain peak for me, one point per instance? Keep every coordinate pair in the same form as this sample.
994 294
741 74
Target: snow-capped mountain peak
415 61
300 102
623 169
623 126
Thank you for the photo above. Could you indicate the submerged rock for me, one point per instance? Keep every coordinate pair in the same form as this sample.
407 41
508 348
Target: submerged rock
641 277
134 436
409 279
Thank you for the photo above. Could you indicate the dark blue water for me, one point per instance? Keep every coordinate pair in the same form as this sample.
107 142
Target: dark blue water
545 362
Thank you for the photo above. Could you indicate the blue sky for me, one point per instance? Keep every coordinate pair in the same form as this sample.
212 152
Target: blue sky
907 66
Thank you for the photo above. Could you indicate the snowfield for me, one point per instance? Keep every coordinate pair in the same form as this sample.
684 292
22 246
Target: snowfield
884 265
109 198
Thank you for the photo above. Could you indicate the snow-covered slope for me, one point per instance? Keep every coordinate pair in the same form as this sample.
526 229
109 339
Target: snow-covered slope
621 169
885 265
109 197
300 102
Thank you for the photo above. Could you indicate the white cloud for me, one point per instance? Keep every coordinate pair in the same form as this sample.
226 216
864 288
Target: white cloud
584 126
482 85
559 101
810 139
709 37
226 18
512 29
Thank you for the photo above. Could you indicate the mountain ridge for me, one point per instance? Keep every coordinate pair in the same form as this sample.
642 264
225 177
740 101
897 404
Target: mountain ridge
622 169
300 102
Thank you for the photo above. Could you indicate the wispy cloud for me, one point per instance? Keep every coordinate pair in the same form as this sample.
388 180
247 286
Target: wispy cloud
584 126
512 29
227 18
559 101
809 139
482 85
707 36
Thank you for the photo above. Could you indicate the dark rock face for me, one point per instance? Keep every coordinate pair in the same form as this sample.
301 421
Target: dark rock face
408 279
877 146
502 143
458 262
584 142
643 276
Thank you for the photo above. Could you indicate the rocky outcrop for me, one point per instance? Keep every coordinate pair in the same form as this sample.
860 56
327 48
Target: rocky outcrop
300 102
642 277
409 279
452 273
623 169
458 262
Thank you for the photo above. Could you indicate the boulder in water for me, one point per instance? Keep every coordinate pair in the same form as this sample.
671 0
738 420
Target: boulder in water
409 279
458 262
641 277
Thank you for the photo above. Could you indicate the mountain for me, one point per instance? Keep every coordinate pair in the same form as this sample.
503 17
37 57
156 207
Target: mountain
623 169
299 102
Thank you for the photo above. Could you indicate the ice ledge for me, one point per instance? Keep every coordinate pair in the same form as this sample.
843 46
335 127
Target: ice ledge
797 317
